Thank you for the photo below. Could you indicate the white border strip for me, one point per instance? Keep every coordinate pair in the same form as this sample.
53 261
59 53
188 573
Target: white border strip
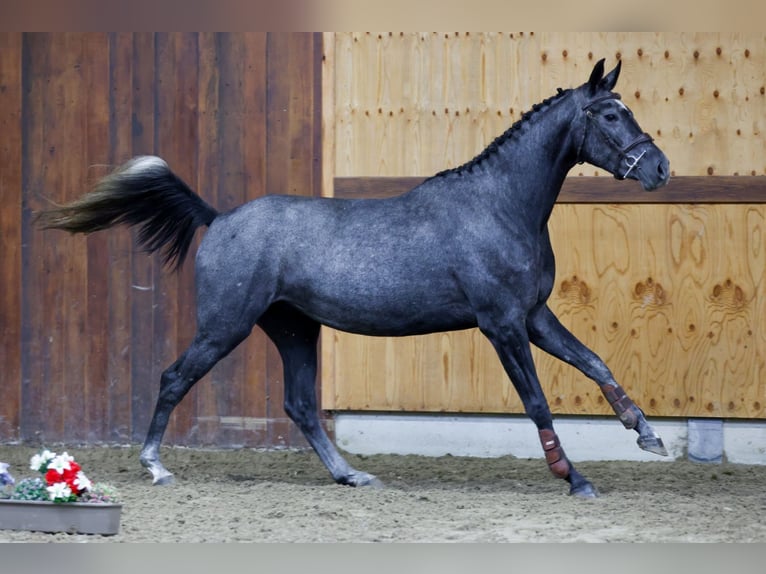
492 436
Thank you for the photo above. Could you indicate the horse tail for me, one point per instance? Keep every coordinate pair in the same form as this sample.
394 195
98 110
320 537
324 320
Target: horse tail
145 192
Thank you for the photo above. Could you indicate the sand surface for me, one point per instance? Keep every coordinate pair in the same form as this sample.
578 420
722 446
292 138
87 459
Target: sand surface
287 496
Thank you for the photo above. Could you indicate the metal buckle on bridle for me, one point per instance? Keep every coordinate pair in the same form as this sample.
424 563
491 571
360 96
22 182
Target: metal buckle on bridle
632 160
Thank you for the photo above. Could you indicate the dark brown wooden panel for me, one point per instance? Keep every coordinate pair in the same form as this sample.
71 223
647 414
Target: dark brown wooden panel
293 112
40 410
177 132
144 368
250 180
119 280
680 189
232 156
94 76
10 234
92 322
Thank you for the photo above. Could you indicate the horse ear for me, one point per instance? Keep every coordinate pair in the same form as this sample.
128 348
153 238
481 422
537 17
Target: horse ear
610 79
596 75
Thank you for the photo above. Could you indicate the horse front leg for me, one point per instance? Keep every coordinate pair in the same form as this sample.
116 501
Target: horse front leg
512 346
547 333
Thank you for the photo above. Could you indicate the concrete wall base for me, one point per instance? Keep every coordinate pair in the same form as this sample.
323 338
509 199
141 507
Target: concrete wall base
701 440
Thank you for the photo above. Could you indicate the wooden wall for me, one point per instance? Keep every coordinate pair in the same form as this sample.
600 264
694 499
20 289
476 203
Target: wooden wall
88 324
671 294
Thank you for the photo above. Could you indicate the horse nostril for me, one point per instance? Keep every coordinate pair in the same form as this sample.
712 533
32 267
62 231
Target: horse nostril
661 170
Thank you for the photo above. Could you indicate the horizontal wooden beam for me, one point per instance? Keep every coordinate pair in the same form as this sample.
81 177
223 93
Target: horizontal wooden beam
589 189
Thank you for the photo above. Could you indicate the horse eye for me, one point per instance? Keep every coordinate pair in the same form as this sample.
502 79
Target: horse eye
611 117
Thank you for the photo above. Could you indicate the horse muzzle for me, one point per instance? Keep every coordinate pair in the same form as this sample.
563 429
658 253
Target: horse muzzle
648 165
654 172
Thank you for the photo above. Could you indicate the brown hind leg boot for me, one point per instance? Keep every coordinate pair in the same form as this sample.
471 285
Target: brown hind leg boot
622 404
554 454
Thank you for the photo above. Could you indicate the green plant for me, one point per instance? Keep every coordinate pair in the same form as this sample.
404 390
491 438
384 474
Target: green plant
30 489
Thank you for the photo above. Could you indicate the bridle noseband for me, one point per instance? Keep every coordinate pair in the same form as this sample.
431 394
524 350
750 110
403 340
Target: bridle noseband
631 160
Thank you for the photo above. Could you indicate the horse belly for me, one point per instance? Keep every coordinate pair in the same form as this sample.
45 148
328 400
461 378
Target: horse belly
388 324
384 310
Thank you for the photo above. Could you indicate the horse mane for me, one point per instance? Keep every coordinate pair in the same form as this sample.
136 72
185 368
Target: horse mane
493 147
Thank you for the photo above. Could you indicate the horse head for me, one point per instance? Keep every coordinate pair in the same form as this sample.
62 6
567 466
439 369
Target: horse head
612 139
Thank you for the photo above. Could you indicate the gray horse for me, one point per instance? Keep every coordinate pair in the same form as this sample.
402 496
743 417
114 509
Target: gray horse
469 247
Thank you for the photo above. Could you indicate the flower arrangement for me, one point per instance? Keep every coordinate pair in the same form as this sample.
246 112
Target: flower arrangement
60 499
64 477
63 480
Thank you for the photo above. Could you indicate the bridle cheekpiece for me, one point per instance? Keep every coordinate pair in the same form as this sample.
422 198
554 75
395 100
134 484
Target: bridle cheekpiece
631 160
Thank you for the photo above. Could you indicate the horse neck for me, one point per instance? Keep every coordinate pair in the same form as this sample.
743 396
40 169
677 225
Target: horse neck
536 160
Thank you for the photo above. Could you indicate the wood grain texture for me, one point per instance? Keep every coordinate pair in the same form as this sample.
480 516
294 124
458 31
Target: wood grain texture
647 287
176 137
144 270
411 104
667 286
92 321
10 232
119 265
590 189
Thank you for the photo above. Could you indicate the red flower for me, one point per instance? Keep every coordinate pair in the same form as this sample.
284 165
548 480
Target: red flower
68 475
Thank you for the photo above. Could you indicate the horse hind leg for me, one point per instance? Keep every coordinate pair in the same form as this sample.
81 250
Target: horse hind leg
175 383
295 336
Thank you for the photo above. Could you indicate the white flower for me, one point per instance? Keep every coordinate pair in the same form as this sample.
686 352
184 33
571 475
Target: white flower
59 490
39 461
82 482
65 455
60 463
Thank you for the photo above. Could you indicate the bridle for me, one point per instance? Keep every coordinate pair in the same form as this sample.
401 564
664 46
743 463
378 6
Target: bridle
630 160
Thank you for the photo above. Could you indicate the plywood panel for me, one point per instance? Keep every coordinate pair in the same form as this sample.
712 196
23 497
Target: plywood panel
676 316
647 287
416 103
668 307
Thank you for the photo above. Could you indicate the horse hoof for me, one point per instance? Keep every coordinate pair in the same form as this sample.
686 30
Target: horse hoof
362 479
366 480
164 480
652 444
586 490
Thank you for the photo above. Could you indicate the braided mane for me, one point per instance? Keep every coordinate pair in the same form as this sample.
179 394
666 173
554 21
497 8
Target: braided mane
492 148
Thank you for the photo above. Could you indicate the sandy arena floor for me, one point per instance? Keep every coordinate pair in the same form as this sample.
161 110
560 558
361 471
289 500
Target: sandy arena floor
287 496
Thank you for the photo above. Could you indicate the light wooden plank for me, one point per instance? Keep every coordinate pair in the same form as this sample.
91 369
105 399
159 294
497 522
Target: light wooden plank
413 104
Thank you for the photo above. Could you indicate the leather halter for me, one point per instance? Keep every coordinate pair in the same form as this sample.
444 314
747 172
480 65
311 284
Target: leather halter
632 161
